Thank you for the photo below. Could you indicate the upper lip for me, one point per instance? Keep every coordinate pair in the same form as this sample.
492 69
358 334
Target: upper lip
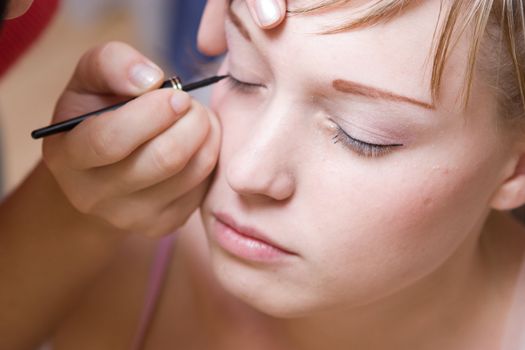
249 232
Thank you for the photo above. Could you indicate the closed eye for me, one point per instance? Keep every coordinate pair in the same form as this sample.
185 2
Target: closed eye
242 86
362 148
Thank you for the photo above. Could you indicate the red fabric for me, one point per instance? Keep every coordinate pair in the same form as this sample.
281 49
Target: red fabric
19 33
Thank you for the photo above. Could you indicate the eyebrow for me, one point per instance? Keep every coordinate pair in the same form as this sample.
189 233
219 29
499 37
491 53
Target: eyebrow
351 87
342 85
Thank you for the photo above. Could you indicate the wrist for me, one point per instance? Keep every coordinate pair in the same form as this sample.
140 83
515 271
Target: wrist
40 203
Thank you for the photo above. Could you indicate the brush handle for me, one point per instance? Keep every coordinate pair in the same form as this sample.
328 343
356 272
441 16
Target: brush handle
69 124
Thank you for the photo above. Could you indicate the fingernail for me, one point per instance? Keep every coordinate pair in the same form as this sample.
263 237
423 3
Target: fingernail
145 76
180 102
268 12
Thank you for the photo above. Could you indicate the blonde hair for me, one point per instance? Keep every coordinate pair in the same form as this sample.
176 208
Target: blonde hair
497 24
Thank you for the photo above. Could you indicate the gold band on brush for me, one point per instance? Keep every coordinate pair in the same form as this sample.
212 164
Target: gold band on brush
176 83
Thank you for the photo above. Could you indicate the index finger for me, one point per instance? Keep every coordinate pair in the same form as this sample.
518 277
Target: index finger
211 39
111 137
267 14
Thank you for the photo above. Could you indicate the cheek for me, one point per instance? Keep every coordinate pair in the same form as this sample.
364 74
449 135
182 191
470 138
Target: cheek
236 115
370 230
234 130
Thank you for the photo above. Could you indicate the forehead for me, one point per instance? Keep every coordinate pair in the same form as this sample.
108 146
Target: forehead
395 54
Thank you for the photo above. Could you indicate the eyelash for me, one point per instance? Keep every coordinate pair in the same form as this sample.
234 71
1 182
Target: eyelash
365 149
362 148
242 86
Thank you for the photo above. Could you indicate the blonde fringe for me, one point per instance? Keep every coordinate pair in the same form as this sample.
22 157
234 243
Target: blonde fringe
478 13
513 40
379 11
462 16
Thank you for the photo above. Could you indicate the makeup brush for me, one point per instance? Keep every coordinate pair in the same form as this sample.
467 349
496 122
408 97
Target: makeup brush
69 124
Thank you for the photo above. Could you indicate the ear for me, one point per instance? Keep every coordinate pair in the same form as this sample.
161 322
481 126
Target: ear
511 193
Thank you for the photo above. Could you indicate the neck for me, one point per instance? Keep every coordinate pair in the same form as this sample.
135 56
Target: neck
439 311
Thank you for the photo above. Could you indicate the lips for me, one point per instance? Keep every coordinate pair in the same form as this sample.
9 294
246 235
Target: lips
247 242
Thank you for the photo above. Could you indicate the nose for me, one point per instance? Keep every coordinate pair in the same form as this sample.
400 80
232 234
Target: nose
263 165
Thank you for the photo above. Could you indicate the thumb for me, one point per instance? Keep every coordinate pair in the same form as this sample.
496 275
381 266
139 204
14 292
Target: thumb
115 68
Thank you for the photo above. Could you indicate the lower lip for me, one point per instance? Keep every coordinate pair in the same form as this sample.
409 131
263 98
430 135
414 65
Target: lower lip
246 247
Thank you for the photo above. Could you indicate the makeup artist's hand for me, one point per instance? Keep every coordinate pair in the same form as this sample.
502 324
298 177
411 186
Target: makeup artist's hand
266 13
143 167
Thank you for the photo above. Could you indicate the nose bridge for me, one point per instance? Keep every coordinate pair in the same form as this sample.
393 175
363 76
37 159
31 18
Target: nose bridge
264 163
271 134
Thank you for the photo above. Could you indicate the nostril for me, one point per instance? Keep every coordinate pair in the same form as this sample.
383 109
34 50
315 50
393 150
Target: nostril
238 177
250 178
283 186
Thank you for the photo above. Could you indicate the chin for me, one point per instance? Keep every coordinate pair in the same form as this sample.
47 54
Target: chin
262 289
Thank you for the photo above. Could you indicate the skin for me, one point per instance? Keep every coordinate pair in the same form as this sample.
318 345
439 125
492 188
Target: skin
17 8
361 247
211 38
89 194
410 249
426 171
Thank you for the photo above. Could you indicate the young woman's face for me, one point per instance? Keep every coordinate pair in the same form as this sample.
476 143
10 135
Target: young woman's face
333 150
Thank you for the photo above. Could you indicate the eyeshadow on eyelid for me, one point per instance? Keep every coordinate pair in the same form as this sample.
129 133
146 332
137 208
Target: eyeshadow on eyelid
387 130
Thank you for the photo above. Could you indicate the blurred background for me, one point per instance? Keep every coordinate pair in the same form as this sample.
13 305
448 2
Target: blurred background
165 30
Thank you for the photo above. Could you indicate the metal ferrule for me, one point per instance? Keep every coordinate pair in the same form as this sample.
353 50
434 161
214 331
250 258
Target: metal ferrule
176 83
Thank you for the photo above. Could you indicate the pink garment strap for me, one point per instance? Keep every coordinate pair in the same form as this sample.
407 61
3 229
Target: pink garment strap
515 328
156 281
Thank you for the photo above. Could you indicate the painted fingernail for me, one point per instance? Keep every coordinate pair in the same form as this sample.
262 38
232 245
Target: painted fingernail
145 76
268 12
180 102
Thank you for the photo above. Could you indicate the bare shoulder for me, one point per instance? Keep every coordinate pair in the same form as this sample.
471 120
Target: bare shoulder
107 315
